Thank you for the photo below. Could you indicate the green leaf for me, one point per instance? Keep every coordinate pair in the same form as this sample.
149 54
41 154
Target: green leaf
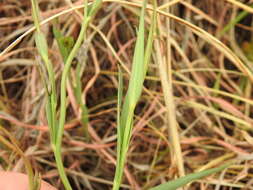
65 43
49 114
85 120
41 44
138 72
180 182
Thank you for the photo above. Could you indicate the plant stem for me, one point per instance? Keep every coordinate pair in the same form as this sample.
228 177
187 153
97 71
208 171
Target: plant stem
63 85
58 142
60 167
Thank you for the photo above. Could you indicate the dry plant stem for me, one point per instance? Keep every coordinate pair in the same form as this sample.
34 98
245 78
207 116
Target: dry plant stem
168 4
169 102
14 147
200 32
241 5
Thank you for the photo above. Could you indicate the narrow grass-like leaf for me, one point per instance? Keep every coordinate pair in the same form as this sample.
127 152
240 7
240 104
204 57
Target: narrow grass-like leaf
35 14
133 93
78 94
119 104
85 120
180 182
233 22
152 33
42 47
41 44
50 121
217 87
78 84
138 73
95 7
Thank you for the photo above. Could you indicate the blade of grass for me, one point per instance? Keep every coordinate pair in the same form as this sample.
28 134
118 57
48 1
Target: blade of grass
119 132
173 185
233 22
138 73
41 44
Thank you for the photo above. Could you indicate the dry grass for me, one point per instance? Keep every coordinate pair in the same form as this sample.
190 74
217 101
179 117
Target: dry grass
211 81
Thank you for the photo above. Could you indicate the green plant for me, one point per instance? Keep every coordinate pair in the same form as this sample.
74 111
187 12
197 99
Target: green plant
180 182
125 115
57 128
125 107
